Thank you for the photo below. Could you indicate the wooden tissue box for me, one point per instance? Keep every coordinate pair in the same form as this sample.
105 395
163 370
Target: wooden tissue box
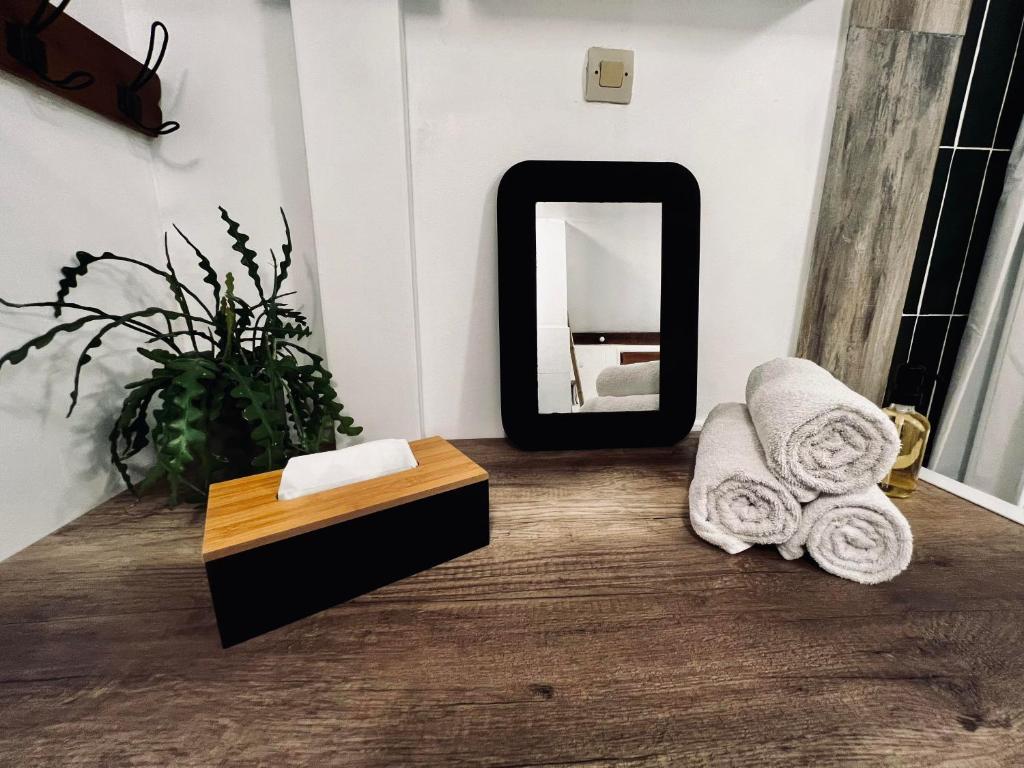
271 562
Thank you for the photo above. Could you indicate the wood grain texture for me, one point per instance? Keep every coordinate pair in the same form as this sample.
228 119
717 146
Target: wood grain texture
628 358
617 337
945 17
891 107
595 630
243 514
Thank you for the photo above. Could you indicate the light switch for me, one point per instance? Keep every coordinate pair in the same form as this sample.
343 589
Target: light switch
609 75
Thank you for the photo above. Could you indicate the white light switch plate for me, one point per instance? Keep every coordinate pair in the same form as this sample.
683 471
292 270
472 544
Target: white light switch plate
594 91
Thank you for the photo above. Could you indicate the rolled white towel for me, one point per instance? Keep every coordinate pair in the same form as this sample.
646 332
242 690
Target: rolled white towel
632 379
624 403
735 501
318 472
860 536
819 436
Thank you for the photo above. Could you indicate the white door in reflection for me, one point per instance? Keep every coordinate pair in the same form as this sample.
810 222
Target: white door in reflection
598 306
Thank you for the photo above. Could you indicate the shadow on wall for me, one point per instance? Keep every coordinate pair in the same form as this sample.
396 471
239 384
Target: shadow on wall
172 97
37 395
86 451
608 292
483 314
290 152
52 109
736 14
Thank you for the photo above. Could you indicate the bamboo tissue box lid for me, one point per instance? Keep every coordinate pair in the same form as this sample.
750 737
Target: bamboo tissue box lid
245 513
270 562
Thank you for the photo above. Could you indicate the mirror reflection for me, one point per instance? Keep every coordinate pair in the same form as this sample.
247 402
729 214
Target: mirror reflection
598 306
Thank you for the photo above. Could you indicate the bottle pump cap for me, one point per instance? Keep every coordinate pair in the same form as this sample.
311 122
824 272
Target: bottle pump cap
910 381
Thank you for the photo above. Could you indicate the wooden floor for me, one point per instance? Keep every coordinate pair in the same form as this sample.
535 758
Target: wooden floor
594 630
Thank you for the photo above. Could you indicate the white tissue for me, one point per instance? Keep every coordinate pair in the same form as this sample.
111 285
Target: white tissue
319 472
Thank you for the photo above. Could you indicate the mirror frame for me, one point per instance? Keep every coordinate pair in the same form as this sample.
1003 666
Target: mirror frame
522 187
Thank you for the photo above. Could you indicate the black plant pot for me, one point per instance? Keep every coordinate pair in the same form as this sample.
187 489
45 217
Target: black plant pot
230 441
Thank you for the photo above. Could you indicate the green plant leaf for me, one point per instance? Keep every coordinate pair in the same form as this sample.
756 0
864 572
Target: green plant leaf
292 331
247 254
265 421
286 256
142 327
158 356
179 435
16 356
294 314
179 295
171 335
254 375
94 343
131 427
85 260
275 327
317 378
209 273
269 325
69 278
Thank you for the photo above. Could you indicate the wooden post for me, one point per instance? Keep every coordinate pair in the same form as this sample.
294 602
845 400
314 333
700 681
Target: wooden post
898 70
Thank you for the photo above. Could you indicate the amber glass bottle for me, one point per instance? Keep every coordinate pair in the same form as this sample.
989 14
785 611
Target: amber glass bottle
913 428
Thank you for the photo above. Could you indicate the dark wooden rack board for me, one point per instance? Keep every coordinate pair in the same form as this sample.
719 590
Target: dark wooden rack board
628 358
617 337
72 46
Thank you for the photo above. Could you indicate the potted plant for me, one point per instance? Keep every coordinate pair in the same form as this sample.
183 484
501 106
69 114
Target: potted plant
232 390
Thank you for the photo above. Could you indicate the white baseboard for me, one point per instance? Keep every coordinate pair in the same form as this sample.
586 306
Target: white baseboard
982 499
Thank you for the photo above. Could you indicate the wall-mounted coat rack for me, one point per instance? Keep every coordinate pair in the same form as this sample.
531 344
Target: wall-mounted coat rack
45 46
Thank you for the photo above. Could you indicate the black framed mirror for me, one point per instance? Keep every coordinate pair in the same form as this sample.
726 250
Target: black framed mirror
598 298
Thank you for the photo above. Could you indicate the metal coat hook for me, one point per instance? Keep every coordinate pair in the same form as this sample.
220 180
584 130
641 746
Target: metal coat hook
24 45
128 101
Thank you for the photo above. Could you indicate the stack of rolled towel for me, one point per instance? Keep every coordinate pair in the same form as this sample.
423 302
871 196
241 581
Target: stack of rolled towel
631 387
798 467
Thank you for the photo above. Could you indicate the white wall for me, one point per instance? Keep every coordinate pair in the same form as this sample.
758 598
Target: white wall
614 266
554 364
71 181
76 181
739 91
230 78
412 113
351 74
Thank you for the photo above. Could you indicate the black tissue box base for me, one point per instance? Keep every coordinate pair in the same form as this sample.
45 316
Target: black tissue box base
264 588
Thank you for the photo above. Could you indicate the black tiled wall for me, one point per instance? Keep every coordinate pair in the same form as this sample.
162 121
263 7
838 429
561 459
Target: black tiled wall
985 112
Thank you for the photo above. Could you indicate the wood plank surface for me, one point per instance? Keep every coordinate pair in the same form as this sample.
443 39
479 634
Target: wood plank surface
245 513
890 112
944 17
595 630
